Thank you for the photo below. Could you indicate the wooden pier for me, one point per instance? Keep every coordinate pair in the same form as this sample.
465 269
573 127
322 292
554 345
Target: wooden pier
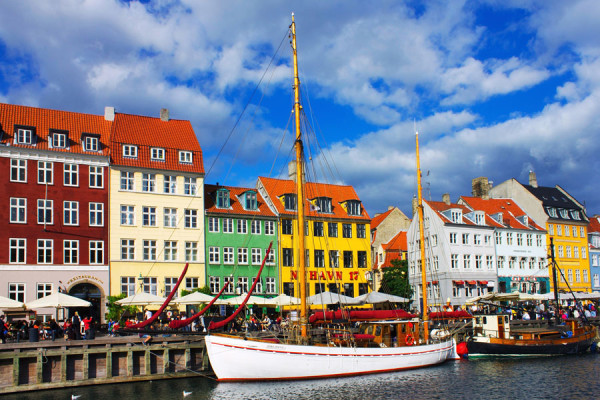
59 364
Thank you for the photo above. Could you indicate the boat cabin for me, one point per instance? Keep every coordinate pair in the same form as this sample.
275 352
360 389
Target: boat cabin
494 326
389 333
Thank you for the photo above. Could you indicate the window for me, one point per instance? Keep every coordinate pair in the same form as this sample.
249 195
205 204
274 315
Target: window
538 240
214 284
170 184
127 215
70 174
582 231
170 283
568 251
453 237
127 249
150 285
550 229
228 255
227 225
509 238
242 255
17 251
478 261
574 231
511 262
148 182
96 177
250 201
559 230
552 212
44 212
71 251
148 216
347 230
361 231
157 154
96 252
45 249
213 255
307 258
289 202
287 227
519 239
269 227
271 257
522 262
567 230
353 207
256 256
288 257
43 290
96 214
228 284
454 262
59 140
223 198
24 136
71 213
18 210
532 263
149 249
575 251
213 224
45 172
170 253
170 217
127 180
319 258
317 228
529 239
191 251
191 218
334 259
560 251
288 288
185 157
489 262
242 226
466 261
18 170
128 285
583 253
270 286
323 204
243 284
465 238
361 256
255 227
189 186
191 283
16 291
130 151
498 236
585 275
91 143
570 275
347 259
476 239
332 229
500 262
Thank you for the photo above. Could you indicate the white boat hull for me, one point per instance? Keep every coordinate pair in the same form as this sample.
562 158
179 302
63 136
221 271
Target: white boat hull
236 359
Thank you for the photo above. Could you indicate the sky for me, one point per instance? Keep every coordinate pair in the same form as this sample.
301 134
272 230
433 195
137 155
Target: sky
496 88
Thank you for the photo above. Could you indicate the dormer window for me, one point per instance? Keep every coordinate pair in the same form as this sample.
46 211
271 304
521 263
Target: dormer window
250 200
129 151
289 202
564 214
524 220
24 135
91 143
323 204
157 154
456 216
575 215
185 157
479 218
222 198
58 140
353 207
552 212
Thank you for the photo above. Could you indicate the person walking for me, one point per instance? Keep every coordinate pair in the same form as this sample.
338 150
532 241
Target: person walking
76 323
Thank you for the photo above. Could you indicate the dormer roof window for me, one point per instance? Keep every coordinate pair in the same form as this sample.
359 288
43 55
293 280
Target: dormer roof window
249 200
91 142
130 151
479 218
552 212
185 157
157 154
456 216
353 207
58 139
222 198
564 214
575 215
322 204
289 202
24 135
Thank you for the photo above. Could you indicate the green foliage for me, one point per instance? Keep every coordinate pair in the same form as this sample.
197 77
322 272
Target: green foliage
205 290
395 279
115 311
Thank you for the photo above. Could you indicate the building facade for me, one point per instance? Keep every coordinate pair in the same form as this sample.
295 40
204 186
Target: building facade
337 238
239 228
54 223
594 250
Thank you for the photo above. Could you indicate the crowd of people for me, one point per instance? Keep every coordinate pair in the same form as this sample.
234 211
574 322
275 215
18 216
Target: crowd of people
74 328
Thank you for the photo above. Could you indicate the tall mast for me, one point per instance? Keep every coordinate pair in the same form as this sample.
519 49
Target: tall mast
299 192
555 281
422 246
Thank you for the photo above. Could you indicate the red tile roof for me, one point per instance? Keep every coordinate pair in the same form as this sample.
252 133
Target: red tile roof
509 209
440 206
43 120
594 224
378 219
398 242
235 205
146 132
338 193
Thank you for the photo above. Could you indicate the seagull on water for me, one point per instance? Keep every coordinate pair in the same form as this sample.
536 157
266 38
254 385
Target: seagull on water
75 396
186 394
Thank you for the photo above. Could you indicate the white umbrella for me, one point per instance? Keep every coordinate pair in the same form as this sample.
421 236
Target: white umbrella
253 300
284 300
330 298
5 302
58 300
141 299
378 297
194 298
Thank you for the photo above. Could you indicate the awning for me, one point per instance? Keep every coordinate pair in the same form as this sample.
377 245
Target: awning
471 282
459 282
483 282
435 282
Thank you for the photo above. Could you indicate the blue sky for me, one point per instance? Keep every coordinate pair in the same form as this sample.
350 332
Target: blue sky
497 88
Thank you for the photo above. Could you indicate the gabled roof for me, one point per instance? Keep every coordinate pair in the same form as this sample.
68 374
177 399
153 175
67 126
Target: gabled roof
594 224
397 243
378 219
440 206
43 120
235 207
338 193
557 199
146 132
509 209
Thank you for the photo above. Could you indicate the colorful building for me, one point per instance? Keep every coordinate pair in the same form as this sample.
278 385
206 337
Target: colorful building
239 228
337 236
156 205
594 247
53 225
395 249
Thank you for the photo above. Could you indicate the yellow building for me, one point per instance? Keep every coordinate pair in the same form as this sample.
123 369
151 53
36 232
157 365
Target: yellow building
337 240
156 205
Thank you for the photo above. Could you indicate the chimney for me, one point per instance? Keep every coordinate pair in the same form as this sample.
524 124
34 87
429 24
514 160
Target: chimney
415 204
446 198
292 171
532 179
109 113
481 187
164 114
390 208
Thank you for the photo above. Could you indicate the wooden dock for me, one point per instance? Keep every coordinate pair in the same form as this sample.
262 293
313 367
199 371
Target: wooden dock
61 363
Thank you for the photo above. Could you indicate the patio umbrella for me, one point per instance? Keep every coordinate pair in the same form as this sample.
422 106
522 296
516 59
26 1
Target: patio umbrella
141 299
194 298
378 297
253 300
5 302
330 298
284 300
58 300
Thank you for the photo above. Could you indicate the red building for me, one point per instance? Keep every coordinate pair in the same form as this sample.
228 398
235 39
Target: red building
54 218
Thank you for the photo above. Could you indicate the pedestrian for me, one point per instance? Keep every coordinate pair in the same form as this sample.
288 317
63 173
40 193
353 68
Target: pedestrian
87 328
76 323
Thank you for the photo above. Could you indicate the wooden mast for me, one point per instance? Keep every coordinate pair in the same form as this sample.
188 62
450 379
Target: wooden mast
422 246
299 192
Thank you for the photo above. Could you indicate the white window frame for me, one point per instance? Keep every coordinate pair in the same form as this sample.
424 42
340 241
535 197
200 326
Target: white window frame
72 172
59 140
190 186
255 227
24 136
130 151
227 225
185 157
149 249
228 258
127 249
256 255
45 212
150 285
157 154
96 216
148 182
96 252
213 224
91 143
242 226
170 184
18 170
127 182
269 228
148 216
17 251
170 250
127 215
270 285
45 248
17 291
170 217
96 177
213 255
214 284
191 218
45 172
43 289
18 210
191 251
242 255
71 247
71 213
128 285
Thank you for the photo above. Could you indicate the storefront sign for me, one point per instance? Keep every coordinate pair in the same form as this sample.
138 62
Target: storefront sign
86 278
329 275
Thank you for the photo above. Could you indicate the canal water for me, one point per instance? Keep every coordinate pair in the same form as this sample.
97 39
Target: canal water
566 377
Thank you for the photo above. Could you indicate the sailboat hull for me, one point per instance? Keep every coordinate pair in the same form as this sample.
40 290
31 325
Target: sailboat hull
237 359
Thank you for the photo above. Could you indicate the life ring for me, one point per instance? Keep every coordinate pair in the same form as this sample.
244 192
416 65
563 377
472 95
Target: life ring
169 314
409 340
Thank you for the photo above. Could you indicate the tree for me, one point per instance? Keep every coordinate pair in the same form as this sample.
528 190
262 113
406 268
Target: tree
205 290
115 311
395 279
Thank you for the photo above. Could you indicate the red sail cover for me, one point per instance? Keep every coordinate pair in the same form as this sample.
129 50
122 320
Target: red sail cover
450 315
180 323
217 325
360 315
160 310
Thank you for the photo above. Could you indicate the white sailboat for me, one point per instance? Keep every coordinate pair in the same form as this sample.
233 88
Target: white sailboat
379 346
